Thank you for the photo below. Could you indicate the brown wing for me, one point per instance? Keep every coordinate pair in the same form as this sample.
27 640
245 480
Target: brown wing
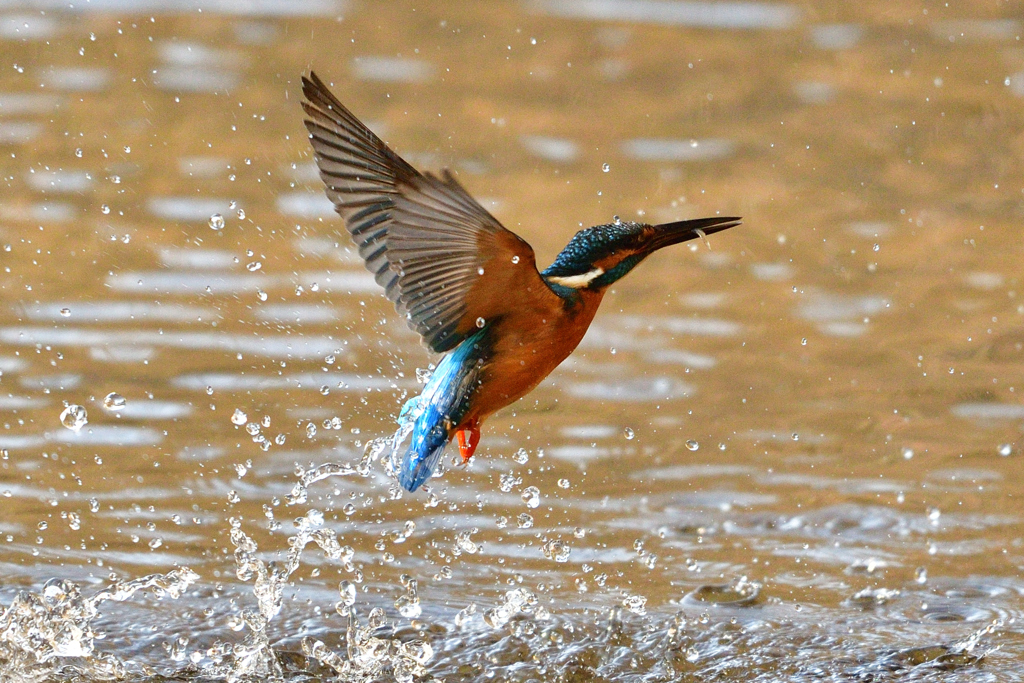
442 258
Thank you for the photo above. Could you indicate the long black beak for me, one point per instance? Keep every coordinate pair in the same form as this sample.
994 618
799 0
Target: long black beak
684 231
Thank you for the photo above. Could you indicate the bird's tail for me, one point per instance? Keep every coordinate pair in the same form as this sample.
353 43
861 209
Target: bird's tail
430 435
435 413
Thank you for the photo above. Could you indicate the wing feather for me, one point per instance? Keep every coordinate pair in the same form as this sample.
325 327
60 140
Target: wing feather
442 258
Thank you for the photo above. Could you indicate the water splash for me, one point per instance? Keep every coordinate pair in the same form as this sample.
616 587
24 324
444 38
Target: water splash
39 631
254 656
369 653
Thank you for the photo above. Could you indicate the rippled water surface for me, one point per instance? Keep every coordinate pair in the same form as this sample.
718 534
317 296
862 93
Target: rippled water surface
796 456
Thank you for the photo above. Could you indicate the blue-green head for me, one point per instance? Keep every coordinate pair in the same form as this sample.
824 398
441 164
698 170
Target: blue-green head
598 256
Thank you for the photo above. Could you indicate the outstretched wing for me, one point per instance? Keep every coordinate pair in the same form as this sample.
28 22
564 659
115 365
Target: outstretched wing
360 173
442 259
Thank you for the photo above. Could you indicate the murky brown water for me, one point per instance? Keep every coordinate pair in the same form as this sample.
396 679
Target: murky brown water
823 414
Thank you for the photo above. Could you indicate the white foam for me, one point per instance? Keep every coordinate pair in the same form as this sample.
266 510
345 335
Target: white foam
186 208
59 180
18 103
551 148
15 132
392 69
667 149
273 346
116 311
305 205
727 15
200 259
76 79
989 411
836 36
638 389
27 27
304 380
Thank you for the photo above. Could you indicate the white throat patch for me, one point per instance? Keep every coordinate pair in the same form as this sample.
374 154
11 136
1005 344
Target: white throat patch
578 281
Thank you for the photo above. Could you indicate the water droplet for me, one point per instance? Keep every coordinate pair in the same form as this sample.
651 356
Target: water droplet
524 521
606 168
507 482
556 550
114 401
238 417
692 655
78 152
803 342
703 238
616 220
261 295
692 445
1005 449
217 221
921 575
579 532
104 209
254 266
74 417
241 214
875 248
325 390
521 456
908 453
564 483
65 312
531 496
515 259
464 543
310 430
796 437
480 322
329 360
480 270
233 497
637 604
629 434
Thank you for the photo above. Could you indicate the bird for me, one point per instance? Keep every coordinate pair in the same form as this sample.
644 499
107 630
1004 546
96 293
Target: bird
469 286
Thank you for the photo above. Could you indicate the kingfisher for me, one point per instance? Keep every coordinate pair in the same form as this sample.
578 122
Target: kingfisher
469 286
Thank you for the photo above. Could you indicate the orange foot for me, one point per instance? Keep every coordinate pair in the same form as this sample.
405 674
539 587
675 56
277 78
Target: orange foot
468 437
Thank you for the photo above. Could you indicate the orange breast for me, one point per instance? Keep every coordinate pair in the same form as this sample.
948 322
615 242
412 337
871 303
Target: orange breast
529 343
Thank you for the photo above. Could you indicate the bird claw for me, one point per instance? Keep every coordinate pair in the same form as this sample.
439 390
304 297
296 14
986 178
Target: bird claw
468 439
